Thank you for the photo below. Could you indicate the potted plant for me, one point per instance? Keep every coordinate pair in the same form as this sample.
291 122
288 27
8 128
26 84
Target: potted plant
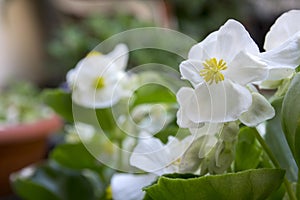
144 133
25 124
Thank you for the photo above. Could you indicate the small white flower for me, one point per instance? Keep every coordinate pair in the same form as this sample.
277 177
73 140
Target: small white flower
96 81
152 118
80 132
151 155
129 186
219 69
282 45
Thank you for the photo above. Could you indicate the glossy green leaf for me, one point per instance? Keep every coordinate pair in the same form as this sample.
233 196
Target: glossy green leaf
60 101
276 140
291 116
248 185
50 181
248 151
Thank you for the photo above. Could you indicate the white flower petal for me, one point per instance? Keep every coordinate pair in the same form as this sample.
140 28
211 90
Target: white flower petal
184 95
246 68
276 74
119 56
260 110
184 122
207 129
217 103
225 43
232 39
71 77
205 48
191 159
190 70
130 186
284 27
283 59
151 155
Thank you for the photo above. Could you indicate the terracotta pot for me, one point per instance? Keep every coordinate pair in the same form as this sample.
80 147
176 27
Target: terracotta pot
21 145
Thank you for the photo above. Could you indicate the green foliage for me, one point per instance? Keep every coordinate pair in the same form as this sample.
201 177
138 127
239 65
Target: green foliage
291 117
276 140
74 156
53 182
153 93
248 185
76 37
248 151
60 101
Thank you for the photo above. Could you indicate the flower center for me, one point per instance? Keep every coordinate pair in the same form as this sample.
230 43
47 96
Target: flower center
99 83
93 53
212 70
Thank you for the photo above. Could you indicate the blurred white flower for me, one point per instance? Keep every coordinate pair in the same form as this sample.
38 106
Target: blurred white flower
96 81
282 45
152 118
129 186
219 68
80 132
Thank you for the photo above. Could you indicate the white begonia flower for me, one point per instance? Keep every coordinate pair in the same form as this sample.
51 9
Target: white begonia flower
129 186
282 45
219 69
151 155
97 80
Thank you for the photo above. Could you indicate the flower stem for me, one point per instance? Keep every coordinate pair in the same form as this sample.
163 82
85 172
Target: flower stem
266 148
298 186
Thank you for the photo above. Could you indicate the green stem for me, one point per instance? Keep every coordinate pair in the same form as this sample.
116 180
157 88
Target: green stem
298 186
266 148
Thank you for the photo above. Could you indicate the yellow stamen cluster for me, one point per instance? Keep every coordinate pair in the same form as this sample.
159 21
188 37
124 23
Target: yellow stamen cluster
212 70
109 192
99 83
93 53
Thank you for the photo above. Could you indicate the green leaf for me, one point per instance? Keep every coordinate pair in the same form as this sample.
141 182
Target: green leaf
291 116
30 190
74 156
276 140
248 151
51 181
77 157
153 93
298 69
60 101
248 185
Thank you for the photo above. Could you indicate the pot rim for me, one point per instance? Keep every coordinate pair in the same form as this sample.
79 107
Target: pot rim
30 131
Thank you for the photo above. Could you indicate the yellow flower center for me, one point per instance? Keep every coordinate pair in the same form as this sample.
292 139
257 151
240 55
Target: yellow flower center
93 53
99 83
212 70
109 192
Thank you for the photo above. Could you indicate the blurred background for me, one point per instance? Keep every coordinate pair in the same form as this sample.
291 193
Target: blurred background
42 39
